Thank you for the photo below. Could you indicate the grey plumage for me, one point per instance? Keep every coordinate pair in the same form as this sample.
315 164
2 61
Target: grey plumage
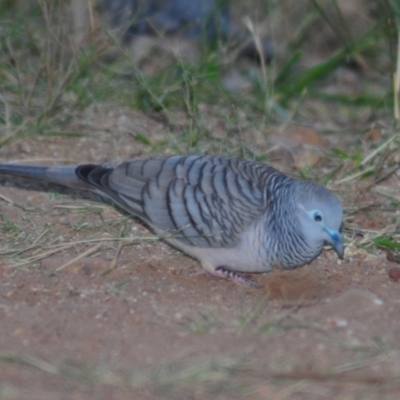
192 18
232 215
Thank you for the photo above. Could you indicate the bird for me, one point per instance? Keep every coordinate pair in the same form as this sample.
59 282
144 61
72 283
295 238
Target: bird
207 19
235 216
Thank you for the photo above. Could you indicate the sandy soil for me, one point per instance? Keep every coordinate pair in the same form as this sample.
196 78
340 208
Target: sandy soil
129 319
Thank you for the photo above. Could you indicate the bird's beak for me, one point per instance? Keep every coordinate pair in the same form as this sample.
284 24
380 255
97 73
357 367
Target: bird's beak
336 243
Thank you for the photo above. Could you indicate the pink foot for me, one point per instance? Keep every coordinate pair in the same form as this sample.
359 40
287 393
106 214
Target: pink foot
237 277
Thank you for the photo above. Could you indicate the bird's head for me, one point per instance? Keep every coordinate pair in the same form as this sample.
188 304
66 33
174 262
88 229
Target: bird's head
321 215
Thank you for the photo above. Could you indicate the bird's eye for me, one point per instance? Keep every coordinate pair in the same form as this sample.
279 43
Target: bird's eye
317 217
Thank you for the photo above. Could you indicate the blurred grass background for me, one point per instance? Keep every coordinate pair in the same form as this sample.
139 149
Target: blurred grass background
333 61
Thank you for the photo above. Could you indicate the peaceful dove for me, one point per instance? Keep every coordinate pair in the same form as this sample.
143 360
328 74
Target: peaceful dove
192 18
234 216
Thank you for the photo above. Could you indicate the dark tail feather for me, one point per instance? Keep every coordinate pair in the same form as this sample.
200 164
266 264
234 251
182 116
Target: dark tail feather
62 175
26 171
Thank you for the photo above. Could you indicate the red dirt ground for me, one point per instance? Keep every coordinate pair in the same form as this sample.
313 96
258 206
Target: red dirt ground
134 322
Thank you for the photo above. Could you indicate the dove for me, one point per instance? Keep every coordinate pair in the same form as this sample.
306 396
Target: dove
207 19
234 216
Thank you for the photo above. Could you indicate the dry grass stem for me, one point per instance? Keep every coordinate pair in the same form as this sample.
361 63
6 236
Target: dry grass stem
82 255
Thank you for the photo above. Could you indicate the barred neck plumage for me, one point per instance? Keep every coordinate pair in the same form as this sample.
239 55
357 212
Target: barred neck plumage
283 235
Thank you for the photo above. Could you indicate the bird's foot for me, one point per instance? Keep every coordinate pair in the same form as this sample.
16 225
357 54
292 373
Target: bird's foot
237 277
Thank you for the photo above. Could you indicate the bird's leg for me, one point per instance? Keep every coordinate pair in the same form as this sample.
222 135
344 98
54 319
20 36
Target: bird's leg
222 272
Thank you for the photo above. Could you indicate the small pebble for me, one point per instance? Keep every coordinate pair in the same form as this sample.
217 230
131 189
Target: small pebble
394 273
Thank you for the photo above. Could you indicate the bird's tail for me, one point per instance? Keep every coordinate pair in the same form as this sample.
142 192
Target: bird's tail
61 175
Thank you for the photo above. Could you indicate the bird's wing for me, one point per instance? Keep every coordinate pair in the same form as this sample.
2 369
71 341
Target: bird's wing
203 201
